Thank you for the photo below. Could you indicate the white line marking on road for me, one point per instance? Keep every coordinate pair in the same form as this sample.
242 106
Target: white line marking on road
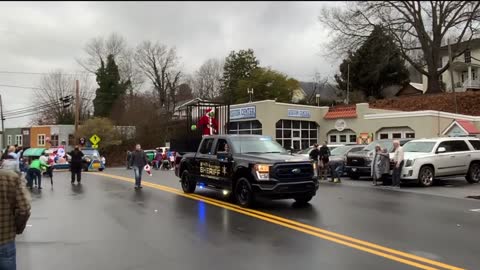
29 225
475 210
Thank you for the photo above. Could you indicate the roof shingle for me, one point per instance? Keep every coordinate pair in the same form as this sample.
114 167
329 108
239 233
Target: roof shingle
341 112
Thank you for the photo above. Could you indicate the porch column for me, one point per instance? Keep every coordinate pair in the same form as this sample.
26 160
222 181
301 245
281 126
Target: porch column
470 76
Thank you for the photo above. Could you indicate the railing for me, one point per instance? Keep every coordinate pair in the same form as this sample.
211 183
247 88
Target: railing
474 84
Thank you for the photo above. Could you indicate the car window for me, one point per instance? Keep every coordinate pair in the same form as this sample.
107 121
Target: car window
206 146
459 146
454 146
475 144
221 143
356 149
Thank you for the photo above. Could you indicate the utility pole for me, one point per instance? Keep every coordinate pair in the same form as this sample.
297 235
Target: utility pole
348 81
3 119
250 92
450 61
77 109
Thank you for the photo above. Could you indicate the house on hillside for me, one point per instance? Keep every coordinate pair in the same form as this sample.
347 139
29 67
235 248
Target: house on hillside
466 67
411 89
311 89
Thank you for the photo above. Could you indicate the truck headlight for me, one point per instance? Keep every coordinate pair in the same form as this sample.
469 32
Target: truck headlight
315 170
262 171
409 162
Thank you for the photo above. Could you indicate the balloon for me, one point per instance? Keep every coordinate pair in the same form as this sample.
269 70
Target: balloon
61 152
194 127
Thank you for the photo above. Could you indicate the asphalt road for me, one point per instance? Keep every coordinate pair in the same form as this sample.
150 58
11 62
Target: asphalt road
106 224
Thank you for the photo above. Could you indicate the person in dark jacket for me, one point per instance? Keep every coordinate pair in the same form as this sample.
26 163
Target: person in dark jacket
324 157
76 164
138 161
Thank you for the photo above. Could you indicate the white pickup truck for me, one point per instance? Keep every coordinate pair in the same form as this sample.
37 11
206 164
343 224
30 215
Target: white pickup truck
426 159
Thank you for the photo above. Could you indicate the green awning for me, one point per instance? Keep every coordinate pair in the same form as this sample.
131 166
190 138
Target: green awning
33 152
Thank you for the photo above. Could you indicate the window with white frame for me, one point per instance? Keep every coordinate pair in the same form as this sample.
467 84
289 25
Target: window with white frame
41 140
346 136
396 133
245 127
54 140
296 133
9 140
19 140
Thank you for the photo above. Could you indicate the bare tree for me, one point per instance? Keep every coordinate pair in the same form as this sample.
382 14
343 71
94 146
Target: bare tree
207 79
420 29
160 65
55 86
98 49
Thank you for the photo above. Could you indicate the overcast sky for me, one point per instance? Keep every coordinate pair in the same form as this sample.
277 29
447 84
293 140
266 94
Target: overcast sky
45 36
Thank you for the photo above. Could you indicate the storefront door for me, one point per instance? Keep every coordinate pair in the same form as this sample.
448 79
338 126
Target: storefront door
296 139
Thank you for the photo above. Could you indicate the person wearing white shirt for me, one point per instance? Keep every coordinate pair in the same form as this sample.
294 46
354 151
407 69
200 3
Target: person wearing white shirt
398 157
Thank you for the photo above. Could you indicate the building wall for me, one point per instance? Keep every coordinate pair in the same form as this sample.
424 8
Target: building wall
39 130
26 137
12 133
64 133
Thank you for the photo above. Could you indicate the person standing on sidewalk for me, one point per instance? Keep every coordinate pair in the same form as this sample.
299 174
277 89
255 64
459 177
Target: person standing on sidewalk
76 164
14 214
324 157
398 163
138 161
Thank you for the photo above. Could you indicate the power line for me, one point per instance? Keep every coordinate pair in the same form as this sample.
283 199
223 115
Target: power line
23 87
42 73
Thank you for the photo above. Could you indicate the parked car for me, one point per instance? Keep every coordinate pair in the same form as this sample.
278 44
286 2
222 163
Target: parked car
426 159
359 163
91 160
341 152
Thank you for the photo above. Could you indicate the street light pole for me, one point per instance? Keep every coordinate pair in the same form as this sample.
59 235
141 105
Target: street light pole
348 82
317 96
250 92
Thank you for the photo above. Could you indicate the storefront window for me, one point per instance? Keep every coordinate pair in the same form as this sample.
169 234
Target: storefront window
246 127
383 136
396 133
346 136
296 133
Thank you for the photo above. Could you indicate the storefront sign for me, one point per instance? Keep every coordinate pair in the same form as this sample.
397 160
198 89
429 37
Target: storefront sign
243 113
298 113
340 125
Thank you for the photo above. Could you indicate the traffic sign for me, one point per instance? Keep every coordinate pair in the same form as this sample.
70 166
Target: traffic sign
95 146
95 139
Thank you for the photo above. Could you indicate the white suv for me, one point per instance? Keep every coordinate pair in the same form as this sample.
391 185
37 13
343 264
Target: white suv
451 156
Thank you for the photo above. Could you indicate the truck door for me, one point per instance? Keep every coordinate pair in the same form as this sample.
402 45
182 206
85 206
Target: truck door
222 166
202 160
453 160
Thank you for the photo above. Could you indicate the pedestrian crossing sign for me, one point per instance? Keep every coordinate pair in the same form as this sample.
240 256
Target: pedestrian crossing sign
95 146
95 139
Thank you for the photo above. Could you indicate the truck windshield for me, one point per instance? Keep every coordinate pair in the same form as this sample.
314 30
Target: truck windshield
257 145
384 144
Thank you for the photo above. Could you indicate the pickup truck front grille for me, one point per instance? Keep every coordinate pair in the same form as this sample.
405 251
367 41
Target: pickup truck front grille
355 161
293 171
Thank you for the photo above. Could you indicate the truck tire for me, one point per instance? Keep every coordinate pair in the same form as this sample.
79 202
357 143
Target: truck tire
426 176
243 193
188 185
354 176
473 174
304 199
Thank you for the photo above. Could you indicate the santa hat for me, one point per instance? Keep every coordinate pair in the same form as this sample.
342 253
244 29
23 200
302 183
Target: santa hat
209 110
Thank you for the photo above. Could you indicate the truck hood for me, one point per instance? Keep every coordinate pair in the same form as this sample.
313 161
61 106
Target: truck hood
272 157
361 154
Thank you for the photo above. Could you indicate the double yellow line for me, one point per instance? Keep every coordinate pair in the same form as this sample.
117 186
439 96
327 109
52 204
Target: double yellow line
392 254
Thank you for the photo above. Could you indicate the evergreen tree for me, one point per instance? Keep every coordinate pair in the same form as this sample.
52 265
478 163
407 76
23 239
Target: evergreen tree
238 66
110 88
374 66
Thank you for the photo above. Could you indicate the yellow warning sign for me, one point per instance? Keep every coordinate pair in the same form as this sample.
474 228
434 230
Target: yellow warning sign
95 139
95 146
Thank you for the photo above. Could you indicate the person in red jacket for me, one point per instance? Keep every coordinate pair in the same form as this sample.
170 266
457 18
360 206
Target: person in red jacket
208 123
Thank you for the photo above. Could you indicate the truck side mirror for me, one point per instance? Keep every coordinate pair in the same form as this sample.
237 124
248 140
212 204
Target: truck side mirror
441 150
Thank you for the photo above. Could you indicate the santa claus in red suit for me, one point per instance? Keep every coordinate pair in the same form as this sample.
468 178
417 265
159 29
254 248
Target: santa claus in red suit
208 123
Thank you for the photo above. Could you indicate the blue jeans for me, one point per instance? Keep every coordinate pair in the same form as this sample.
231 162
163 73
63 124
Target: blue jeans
8 256
138 175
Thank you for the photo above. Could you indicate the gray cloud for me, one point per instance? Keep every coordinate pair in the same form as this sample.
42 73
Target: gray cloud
44 36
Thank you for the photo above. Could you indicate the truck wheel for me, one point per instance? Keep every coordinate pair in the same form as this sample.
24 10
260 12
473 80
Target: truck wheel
426 176
243 193
304 199
354 176
473 174
188 185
